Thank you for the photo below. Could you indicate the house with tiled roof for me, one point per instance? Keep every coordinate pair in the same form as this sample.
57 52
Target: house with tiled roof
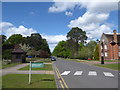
110 46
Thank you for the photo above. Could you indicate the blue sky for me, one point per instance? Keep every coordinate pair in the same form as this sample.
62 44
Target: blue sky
53 20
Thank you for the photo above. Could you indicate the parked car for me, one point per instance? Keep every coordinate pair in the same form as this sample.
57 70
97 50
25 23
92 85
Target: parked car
53 58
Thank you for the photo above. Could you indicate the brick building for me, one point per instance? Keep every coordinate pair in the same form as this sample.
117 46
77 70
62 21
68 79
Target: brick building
110 46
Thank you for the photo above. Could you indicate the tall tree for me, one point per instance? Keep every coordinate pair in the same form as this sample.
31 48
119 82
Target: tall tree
15 39
77 35
61 50
3 38
91 45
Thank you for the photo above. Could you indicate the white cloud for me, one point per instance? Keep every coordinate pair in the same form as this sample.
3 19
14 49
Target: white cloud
68 13
93 21
62 6
32 13
53 40
9 29
52 46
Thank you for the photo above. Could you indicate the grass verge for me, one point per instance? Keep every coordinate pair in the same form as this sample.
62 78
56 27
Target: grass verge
46 67
44 60
21 81
111 66
78 60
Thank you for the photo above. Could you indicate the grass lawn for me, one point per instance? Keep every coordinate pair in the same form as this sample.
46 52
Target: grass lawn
74 60
0 64
78 60
111 66
9 65
46 67
45 60
21 81
0 83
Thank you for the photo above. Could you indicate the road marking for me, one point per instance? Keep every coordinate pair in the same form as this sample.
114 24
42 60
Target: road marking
92 73
108 74
62 79
78 73
65 73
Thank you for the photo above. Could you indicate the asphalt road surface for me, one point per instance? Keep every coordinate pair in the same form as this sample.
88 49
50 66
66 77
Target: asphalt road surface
79 75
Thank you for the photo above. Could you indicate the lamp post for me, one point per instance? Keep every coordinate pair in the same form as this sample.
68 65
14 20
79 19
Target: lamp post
113 43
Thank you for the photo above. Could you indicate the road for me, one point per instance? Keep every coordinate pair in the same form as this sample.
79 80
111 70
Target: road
79 75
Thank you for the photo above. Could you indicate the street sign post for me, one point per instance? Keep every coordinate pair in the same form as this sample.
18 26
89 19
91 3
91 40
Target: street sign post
34 65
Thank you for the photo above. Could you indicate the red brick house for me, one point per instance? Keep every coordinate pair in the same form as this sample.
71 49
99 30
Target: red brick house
110 46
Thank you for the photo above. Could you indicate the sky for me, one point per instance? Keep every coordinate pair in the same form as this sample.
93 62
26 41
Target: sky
53 20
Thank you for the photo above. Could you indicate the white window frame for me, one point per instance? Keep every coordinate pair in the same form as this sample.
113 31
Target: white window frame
106 54
119 54
105 46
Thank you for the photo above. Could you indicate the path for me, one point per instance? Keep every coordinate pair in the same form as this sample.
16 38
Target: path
14 70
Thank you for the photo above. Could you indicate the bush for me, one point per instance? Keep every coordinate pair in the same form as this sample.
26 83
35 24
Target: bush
6 54
96 53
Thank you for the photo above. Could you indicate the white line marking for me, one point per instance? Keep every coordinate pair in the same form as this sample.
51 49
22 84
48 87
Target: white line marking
78 73
65 73
92 73
108 74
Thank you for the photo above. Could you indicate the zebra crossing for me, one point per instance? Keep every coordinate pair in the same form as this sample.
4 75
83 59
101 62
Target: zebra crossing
90 73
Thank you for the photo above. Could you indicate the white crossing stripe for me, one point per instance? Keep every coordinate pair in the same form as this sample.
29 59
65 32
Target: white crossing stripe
108 74
92 73
78 73
65 73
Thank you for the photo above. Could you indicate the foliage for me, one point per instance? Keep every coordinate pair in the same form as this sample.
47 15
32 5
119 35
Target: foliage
3 38
31 44
6 54
77 35
91 46
32 52
85 53
61 50
15 39
25 47
96 53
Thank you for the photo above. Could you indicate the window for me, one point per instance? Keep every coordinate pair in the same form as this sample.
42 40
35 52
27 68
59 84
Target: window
106 54
101 47
119 53
119 47
105 46
102 54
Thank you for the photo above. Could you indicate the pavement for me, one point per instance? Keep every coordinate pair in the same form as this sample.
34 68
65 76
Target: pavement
14 70
81 75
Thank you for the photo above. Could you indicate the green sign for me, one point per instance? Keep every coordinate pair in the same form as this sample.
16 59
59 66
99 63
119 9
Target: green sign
37 65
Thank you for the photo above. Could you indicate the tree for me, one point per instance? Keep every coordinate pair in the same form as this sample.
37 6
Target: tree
61 50
77 35
3 38
25 47
32 52
91 45
96 53
15 39
85 53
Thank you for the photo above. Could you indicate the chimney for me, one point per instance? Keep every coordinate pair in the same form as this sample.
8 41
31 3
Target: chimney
115 36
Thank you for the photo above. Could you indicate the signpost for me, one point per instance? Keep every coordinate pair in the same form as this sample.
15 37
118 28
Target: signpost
34 65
